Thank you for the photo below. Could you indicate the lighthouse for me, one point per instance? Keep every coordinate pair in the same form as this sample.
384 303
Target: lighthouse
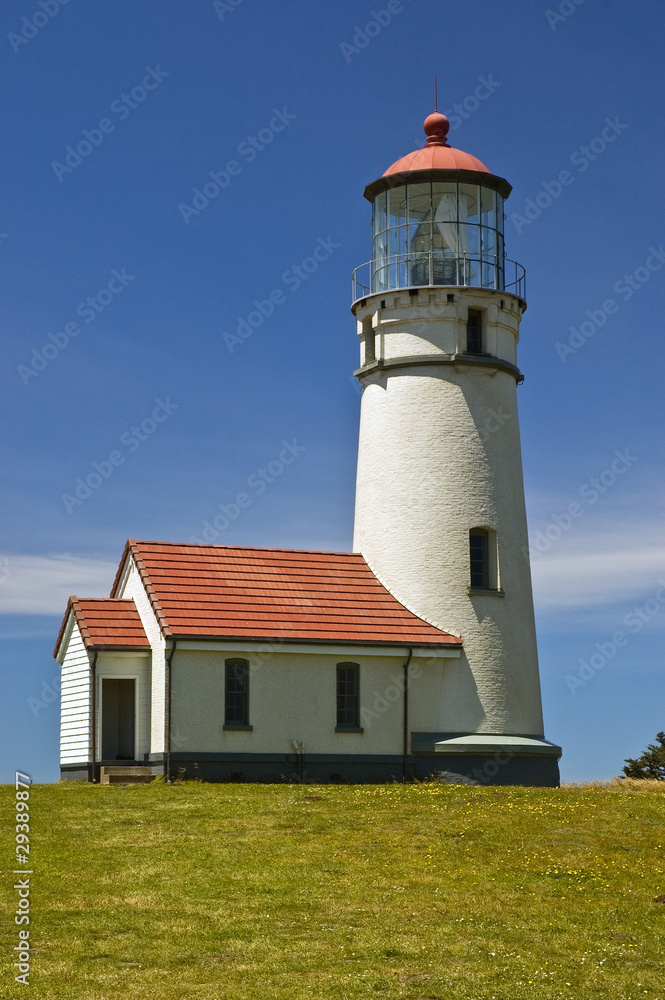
440 514
413 655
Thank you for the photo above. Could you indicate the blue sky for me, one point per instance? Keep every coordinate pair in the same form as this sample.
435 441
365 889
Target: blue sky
295 108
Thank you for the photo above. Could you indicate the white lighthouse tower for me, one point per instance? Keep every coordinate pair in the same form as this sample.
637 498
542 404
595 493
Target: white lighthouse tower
440 514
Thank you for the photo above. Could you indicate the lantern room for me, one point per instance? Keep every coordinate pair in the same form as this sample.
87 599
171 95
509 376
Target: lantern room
437 219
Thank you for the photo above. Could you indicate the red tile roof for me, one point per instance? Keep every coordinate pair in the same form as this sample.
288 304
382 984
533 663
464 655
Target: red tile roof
106 623
214 591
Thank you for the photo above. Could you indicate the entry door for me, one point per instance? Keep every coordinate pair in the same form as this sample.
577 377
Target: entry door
118 719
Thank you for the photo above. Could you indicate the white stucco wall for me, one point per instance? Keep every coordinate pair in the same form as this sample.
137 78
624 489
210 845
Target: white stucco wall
439 454
132 586
427 323
75 701
293 697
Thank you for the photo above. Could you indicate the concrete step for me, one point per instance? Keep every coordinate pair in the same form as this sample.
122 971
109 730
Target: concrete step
128 775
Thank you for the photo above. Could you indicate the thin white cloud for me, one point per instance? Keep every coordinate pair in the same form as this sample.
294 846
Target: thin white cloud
590 558
41 585
593 567
598 569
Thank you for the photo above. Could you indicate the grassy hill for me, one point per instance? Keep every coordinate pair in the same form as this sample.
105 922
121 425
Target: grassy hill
281 892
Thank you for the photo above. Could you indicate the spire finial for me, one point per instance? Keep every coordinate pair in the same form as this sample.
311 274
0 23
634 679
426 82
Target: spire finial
436 125
436 128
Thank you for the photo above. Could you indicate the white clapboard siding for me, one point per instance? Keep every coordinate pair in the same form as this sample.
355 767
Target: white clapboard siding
132 586
75 702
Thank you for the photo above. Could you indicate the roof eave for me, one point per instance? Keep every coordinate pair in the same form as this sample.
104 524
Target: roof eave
118 647
64 630
387 181
197 637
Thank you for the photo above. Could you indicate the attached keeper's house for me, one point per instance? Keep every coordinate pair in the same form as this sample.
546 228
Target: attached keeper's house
416 652
250 663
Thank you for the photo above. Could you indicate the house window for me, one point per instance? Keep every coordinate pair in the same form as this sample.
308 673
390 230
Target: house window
479 558
348 696
236 694
474 332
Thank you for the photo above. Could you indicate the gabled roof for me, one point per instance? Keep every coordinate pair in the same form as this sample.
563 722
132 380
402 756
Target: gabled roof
220 591
105 624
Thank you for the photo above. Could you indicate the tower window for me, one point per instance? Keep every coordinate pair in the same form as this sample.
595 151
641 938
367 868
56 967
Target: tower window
479 558
348 696
484 561
474 332
369 340
236 693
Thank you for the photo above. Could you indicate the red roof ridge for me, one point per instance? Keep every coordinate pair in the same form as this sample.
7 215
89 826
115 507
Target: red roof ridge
405 605
243 548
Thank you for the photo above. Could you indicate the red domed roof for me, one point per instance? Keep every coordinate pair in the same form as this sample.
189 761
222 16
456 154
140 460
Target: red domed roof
437 158
436 154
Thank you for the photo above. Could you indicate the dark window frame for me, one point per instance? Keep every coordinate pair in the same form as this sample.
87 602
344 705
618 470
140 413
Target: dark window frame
236 693
348 697
474 332
479 559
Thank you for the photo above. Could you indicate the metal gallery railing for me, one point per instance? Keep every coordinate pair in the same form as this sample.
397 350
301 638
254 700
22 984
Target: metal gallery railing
438 267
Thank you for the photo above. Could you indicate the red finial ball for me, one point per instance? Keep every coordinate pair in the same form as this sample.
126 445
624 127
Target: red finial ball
436 128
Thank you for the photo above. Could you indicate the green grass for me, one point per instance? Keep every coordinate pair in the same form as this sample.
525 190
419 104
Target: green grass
281 892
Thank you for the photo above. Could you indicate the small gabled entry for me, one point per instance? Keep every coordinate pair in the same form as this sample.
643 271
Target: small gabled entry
118 718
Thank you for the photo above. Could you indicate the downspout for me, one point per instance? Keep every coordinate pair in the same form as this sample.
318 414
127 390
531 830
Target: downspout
93 669
167 762
405 723
300 759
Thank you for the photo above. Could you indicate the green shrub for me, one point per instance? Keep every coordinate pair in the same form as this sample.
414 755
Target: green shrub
651 764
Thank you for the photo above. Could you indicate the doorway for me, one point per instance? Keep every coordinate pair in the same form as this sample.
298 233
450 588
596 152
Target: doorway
118 718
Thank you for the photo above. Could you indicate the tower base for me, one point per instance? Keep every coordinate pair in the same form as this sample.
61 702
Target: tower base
490 759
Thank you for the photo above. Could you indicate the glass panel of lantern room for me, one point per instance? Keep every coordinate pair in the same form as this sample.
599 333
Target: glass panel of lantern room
397 220
380 244
444 234
444 207
489 257
397 231
380 212
488 242
397 236
500 263
469 232
420 233
469 209
379 273
488 207
419 202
